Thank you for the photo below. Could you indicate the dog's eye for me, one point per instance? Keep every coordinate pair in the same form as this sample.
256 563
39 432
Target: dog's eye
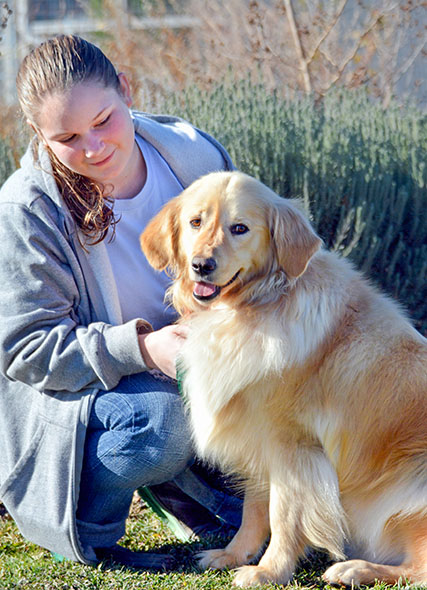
196 223
239 228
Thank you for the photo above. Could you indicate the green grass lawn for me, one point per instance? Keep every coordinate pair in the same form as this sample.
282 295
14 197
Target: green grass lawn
27 566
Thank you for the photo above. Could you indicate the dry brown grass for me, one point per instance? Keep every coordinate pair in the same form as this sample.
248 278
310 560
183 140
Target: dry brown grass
294 45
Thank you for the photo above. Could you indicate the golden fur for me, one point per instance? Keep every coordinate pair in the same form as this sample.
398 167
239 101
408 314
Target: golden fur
303 379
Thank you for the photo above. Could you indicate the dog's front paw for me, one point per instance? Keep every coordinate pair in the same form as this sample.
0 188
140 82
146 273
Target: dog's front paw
219 559
350 573
254 575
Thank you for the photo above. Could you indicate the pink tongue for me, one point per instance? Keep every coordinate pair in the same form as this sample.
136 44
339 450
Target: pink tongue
204 289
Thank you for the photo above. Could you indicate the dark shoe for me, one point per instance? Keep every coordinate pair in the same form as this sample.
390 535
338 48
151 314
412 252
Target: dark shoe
217 480
136 559
183 515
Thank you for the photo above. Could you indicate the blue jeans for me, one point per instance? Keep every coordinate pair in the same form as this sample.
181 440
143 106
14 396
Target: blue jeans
138 435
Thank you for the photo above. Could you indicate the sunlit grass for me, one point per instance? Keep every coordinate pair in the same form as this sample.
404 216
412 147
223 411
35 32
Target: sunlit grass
24 565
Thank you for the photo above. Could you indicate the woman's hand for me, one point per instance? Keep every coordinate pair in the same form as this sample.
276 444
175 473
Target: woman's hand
160 349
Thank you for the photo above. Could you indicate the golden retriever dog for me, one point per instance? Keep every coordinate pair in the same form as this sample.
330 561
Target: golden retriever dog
303 379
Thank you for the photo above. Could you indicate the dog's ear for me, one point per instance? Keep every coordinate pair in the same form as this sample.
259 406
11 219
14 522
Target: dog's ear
294 239
159 240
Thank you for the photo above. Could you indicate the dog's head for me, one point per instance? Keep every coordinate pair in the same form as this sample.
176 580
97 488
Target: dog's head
223 235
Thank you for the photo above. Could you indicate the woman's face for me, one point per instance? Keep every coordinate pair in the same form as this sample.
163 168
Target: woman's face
90 130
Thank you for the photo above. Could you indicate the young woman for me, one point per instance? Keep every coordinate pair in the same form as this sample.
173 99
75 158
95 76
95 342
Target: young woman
89 406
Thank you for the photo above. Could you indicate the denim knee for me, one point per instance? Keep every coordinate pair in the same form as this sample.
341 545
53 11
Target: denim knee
137 437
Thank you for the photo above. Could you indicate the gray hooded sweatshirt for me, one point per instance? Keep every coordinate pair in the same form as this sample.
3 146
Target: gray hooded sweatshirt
62 338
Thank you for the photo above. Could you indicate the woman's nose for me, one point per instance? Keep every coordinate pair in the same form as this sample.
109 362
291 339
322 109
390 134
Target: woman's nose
93 146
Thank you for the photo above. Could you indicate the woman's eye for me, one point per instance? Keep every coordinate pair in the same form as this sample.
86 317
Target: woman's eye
239 228
196 223
67 139
101 123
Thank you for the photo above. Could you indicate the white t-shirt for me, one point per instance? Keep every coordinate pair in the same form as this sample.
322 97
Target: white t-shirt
141 289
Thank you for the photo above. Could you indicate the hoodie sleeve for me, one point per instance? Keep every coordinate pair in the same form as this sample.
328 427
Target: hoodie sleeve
46 338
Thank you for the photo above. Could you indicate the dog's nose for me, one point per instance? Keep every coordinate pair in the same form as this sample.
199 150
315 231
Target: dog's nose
203 266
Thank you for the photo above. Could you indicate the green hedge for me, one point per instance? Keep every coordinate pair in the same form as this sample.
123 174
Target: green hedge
7 162
361 171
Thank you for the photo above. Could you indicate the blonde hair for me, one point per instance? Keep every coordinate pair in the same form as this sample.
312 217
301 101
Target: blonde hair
56 66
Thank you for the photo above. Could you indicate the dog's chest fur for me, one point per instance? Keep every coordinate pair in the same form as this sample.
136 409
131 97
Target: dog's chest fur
218 362
232 362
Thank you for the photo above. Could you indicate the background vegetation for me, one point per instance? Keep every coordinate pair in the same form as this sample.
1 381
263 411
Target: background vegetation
295 45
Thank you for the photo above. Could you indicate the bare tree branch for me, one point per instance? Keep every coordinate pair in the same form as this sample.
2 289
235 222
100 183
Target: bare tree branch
298 46
326 32
351 56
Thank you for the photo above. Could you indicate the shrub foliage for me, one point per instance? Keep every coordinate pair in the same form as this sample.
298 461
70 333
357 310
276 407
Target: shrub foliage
7 162
360 169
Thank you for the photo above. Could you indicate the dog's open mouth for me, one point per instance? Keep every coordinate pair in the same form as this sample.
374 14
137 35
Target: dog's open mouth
204 291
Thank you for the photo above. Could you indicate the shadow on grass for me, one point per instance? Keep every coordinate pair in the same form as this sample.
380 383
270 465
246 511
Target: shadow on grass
307 574
183 554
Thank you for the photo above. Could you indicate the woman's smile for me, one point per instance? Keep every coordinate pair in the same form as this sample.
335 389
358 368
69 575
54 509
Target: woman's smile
104 161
